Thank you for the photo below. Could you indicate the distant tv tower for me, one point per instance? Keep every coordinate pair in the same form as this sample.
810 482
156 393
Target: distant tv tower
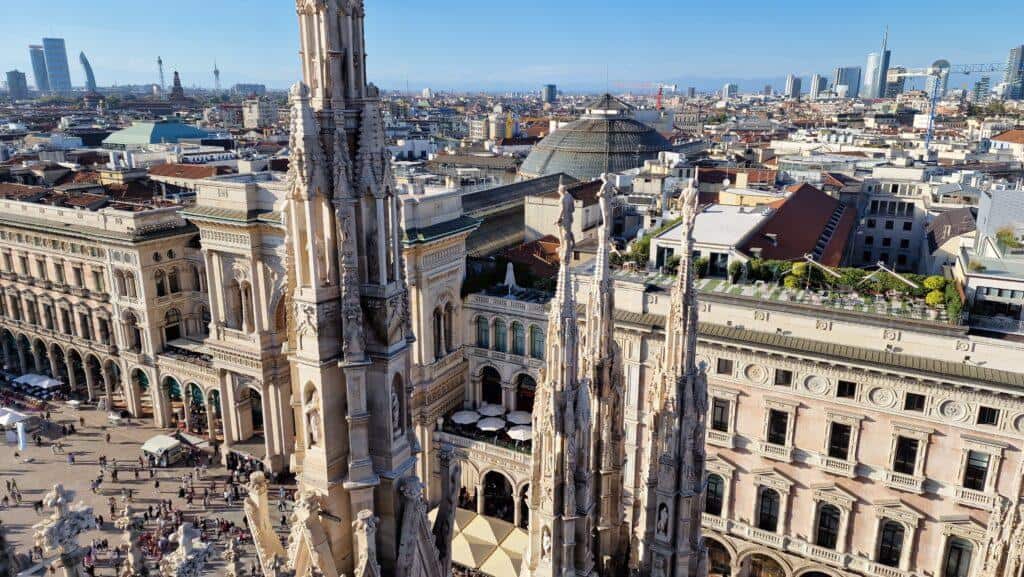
216 77
160 66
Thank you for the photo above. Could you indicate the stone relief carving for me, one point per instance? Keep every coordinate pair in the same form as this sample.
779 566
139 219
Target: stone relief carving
956 410
817 385
882 396
756 373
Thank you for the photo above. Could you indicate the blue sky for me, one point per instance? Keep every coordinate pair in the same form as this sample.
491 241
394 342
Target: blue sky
487 44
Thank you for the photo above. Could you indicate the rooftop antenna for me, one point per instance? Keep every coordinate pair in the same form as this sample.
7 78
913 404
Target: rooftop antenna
160 66
216 76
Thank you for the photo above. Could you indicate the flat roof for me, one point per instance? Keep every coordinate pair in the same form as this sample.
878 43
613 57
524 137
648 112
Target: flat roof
720 224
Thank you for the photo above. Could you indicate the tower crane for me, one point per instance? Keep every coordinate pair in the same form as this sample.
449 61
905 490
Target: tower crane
939 71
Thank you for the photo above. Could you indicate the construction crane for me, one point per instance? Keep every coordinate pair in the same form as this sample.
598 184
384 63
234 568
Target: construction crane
939 71
661 88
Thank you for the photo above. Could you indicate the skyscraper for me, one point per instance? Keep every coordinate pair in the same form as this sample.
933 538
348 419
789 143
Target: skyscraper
848 76
90 79
730 90
17 86
57 65
877 70
793 86
818 86
1014 77
549 93
42 79
895 82
942 79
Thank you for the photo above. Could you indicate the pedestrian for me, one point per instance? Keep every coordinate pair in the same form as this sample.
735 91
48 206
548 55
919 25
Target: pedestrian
81 421
108 437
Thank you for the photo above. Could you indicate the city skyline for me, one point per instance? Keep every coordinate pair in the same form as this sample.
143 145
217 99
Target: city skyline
517 53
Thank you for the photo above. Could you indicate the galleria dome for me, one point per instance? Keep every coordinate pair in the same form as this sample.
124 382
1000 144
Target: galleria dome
605 139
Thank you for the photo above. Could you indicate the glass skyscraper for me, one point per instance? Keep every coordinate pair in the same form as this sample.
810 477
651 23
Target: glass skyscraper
57 65
42 79
1014 78
848 76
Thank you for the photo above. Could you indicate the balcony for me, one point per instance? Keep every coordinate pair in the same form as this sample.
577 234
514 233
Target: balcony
1001 324
769 538
830 556
715 523
976 499
880 570
904 482
721 438
775 452
839 467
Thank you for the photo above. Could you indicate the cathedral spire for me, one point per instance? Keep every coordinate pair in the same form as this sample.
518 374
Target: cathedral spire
674 442
560 529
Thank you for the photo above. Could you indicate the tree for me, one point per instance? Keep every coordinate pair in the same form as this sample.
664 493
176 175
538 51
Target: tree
735 271
701 267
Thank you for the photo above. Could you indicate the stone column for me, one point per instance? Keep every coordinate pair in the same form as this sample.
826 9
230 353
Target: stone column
227 411
37 359
53 365
480 497
382 246
108 385
72 378
22 359
90 385
508 395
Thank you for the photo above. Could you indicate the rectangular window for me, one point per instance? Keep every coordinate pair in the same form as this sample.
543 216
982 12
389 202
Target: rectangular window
904 243
886 242
869 241
783 378
905 460
778 427
866 256
720 415
908 226
41 268
97 281
8 263
871 223
889 225
724 367
58 270
901 260
988 416
24 265
914 402
846 390
839 441
79 279
976 470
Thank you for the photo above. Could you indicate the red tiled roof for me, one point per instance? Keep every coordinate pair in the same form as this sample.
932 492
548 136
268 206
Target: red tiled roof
1015 136
797 224
718 175
189 171
540 257
15 191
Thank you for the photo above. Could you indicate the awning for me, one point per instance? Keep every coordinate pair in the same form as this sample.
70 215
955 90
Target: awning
9 417
41 381
486 544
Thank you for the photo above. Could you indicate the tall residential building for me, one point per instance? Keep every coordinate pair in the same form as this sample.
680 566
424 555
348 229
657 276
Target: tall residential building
818 86
90 79
982 89
793 86
1014 78
549 93
767 90
848 76
42 79
259 113
17 87
250 89
895 82
942 79
691 92
57 65
730 90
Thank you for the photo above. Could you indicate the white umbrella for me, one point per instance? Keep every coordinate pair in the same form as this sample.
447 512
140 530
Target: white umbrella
465 417
519 418
491 424
521 433
491 410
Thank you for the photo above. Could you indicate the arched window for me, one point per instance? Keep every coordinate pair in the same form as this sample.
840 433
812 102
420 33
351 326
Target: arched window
890 544
490 386
526 390
129 285
827 533
173 285
483 333
438 334
500 336
234 299
172 325
205 318
768 510
536 342
518 339
714 495
131 325
958 558
449 312
197 280
161 283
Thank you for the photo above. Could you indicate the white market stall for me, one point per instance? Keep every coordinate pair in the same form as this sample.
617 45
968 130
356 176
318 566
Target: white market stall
165 449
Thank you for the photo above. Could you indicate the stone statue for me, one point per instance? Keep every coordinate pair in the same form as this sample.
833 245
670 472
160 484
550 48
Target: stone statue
58 533
189 558
396 413
134 564
231 566
313 423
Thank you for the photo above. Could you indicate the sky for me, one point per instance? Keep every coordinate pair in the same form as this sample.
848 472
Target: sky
580 45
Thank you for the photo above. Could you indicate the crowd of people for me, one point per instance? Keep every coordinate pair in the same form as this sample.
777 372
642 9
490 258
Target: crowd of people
156 500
